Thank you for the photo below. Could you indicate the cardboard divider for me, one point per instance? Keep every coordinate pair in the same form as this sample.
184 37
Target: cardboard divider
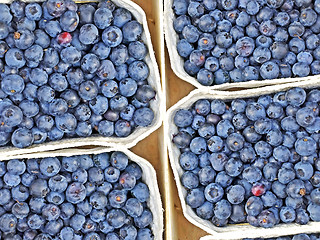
152 147
140 132
148 177
177 226
177 62
231 231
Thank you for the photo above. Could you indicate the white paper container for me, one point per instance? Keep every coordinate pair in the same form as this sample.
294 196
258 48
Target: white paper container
148 176
177 61
210 237
140 132
232 231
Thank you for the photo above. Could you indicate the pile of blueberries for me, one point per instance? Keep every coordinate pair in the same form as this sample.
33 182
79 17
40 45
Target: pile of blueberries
252 160
99 197
69 70
301 236
225 41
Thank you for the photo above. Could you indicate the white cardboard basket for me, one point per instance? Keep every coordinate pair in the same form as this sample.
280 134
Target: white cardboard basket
140 132
231 231
177 61
148 176
210 237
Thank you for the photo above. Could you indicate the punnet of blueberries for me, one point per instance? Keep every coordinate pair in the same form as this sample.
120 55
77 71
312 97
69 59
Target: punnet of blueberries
301 236
253 160
225 41
89 197
71 70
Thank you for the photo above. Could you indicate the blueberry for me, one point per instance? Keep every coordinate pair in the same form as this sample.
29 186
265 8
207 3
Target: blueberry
112 236
226 63
269 70
304 170
180 7
39 188
282 19
296 29
143 117
184 48
22 137
88 34
266 219
253 206
305 57
235 142
301 69
206 175
215 144
15 166
195 198
17 8
313 209
38 135
205 211
88 90
183 118
243 19
206 23
8 223
279 50
33 11
53 227
106 70
132 31
233 167
315 67
190 33
52 28
4 31
75 193
14 58
224 39
296 188
66 233
213 192
251 174
274 3
308 17
235 194
195 9
50 58
205 77
55 7
229 4
261 55
222 209
224 128
245 46
252 7
287 214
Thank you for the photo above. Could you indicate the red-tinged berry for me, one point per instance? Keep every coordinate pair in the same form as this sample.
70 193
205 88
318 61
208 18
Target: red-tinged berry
64 38
258 189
